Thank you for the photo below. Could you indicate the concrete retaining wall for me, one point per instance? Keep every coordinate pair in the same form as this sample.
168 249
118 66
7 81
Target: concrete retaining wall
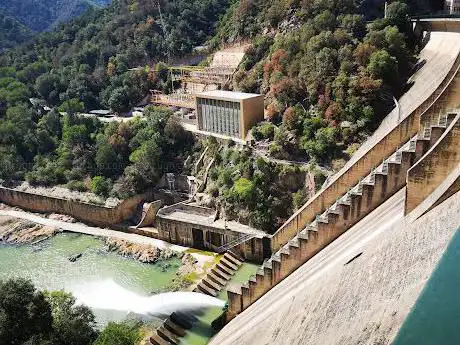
89 213
433 168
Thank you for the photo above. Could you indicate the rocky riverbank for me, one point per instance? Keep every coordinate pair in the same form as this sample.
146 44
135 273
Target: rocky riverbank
18 231
188 274
145 253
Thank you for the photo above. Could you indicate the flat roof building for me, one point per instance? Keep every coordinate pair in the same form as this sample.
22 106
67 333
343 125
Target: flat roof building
229 113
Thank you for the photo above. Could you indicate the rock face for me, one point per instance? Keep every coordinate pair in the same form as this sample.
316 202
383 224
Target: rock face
142 252
17 231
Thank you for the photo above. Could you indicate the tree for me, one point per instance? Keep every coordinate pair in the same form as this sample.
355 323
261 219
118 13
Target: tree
383 66
106 160
73 324
244 189
119 334
119 101
72 106
24 313
101 186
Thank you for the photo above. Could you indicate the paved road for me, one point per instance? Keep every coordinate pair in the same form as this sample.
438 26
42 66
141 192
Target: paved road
89 230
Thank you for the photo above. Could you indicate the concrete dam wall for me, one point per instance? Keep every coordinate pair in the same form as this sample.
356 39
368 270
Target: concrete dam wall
444 96
432 169
89 213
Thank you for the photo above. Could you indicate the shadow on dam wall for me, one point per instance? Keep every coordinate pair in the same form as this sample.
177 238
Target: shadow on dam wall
435 317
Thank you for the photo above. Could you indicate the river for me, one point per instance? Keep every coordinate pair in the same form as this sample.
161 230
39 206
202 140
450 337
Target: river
48 266
113 286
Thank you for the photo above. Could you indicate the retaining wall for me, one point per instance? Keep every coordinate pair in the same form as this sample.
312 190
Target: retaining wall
89 213
434 167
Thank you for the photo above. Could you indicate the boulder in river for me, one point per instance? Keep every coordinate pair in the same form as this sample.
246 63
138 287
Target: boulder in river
75 257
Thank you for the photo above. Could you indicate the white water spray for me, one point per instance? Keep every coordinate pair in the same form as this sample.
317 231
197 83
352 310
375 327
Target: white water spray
108 295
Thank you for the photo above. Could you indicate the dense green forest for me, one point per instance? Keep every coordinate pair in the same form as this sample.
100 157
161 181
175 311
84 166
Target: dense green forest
29 316
329 71
85 64
12 32
44 15
329 76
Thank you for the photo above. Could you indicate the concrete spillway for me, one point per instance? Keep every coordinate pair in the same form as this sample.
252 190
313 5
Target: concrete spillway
333 299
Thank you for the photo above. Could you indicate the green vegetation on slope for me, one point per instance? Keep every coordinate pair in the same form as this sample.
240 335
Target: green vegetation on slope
85 64
89 58
12 32
329 76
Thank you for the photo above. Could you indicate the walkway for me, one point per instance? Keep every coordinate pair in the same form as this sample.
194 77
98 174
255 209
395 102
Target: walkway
89 230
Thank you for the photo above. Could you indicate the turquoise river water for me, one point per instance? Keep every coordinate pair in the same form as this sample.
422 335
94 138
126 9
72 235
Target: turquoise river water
107 282
435 318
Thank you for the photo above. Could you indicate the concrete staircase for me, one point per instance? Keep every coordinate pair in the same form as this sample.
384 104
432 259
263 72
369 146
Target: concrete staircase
372 190
219 275
172 329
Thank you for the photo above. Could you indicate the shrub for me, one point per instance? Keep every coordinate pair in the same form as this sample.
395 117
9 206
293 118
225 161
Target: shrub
78 186
264 131
101 186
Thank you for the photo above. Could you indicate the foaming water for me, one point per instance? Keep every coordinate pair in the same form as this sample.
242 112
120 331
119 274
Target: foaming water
108 295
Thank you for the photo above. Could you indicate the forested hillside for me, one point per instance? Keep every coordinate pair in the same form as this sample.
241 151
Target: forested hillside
328 69
12 32
329 76
84 64
46 14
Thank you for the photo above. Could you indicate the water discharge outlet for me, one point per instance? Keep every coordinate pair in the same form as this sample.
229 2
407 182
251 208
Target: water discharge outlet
108 295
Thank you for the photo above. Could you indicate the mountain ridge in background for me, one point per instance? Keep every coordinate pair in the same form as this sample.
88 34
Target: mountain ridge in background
12 32
44 15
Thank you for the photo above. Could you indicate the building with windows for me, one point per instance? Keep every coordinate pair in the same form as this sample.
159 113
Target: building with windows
229 114
453 6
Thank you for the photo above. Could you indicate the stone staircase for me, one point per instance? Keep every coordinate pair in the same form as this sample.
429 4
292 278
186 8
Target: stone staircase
371 191
219 275
172 329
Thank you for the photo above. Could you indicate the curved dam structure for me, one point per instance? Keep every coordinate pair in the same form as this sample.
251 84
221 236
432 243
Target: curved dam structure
350 264
359 290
